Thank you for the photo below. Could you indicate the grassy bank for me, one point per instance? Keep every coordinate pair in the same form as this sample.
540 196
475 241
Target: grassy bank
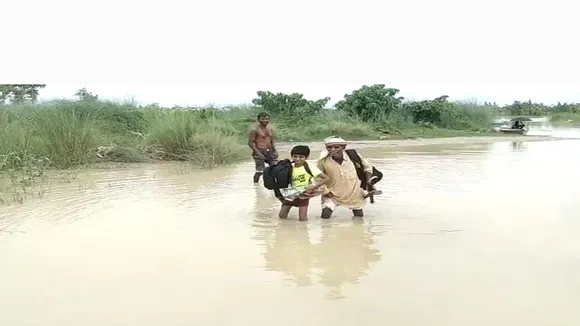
72 133
565 118
64 134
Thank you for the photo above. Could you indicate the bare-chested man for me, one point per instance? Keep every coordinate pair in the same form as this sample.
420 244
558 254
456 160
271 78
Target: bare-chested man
261 141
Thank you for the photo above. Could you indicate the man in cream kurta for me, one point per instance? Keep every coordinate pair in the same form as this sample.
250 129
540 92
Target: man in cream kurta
343 187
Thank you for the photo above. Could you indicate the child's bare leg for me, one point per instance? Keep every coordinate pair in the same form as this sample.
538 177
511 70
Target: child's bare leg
303 213
284 210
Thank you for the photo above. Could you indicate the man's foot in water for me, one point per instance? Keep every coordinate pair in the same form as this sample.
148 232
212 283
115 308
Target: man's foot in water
257 177
326 213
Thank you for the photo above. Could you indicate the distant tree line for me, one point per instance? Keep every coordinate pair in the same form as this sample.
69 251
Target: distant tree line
378 103
370 103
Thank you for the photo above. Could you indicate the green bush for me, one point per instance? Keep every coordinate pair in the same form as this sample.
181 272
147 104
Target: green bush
289 104
371 103
379 105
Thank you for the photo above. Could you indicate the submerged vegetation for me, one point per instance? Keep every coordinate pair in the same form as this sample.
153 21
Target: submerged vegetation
67 133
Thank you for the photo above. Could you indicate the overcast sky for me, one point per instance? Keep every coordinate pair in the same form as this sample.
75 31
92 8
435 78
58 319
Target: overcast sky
223 51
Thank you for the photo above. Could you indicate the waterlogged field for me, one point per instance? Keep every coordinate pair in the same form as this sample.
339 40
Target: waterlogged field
477 231
117 214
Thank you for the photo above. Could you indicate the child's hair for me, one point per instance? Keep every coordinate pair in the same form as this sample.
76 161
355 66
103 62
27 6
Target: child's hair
263 114
300 150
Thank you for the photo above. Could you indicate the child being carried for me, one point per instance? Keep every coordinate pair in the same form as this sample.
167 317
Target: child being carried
305 183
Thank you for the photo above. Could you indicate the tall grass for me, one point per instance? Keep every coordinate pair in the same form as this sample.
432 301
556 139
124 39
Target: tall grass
328 122
190 135
68 144
468 116
72 133
565 118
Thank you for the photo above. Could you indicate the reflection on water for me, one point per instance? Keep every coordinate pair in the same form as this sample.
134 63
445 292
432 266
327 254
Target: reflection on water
464 234
329 254
519 145
320 252
350 247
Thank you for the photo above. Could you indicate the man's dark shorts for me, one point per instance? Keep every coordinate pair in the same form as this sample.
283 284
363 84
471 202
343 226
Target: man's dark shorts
270 158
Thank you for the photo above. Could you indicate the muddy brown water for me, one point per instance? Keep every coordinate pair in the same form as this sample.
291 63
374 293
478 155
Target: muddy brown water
466 233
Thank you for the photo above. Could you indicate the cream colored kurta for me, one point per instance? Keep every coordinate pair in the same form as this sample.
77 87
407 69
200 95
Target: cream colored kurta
344 183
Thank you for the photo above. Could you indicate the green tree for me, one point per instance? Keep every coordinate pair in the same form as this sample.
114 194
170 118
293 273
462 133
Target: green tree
429 111
84 95
289 104
19 93
527 108
567 107
371 103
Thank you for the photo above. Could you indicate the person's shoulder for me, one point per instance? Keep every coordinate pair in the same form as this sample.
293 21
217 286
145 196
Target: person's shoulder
262 130
355 153
321 160
314 168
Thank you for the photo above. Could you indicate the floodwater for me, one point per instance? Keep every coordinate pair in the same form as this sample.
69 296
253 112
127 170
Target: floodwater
467 233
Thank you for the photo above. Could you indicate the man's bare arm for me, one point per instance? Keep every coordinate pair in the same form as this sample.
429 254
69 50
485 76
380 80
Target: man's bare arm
320 166
324 188
252 142
320 180
272 142
367 167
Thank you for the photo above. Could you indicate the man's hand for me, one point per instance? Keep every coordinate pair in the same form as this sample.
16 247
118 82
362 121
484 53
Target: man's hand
370 179
311 188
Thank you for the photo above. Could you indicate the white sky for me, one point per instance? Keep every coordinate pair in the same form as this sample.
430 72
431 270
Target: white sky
223 51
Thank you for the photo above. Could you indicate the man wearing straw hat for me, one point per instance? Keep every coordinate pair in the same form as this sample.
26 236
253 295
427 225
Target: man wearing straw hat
344 186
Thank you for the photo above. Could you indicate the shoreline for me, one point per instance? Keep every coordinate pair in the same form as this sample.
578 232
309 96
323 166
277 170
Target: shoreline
16 192
74 135
285 147
476 139
315 147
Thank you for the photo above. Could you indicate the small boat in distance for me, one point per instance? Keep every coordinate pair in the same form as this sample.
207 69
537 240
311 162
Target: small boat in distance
509 130
518 127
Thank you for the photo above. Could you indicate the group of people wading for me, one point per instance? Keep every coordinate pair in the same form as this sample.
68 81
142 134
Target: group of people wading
340 180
